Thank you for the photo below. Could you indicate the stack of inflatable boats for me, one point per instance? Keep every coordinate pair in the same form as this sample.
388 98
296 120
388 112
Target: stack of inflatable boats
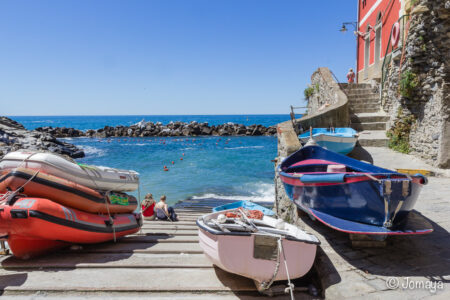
48 202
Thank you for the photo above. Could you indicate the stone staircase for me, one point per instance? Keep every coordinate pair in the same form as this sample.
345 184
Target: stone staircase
366 115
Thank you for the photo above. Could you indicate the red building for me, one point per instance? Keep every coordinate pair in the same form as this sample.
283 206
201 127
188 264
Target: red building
375 21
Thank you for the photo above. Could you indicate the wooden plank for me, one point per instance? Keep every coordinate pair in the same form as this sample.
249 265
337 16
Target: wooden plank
108 260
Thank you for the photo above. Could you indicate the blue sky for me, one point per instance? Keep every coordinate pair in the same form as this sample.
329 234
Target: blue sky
167 57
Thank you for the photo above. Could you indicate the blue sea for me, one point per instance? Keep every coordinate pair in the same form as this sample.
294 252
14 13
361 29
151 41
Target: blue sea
202 167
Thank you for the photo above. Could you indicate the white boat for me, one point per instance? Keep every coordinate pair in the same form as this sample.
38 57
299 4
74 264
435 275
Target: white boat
264 250
95 177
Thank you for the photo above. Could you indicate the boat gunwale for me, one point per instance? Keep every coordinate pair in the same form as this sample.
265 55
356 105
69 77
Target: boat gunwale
201 224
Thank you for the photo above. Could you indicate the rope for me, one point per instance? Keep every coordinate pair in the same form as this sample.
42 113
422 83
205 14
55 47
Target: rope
266 285
12 194
291 286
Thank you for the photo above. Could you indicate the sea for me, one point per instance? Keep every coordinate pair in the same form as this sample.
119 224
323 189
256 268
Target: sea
210 167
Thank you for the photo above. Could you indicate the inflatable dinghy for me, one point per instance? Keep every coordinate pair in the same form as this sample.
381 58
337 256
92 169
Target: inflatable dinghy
33 226
65 192
94 177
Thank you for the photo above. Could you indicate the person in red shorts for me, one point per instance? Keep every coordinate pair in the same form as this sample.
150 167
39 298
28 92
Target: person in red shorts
148 206
351 76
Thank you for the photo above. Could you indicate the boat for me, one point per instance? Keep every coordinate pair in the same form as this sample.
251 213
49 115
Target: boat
256 248
38 184
340 140
352 196
94 177
246 205
34 226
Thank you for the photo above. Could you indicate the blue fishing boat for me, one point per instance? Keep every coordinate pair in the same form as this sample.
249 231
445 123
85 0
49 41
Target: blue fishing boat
352 196
340 140
244 204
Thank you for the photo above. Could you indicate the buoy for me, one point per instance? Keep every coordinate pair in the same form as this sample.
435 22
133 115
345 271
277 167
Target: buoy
181 158
183 154
166 169
173 162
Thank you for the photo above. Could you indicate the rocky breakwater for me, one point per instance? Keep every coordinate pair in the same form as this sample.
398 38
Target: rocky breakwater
147 129
13 136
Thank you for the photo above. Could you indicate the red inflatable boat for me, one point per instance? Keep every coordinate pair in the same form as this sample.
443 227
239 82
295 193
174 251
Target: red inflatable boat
33 226
65 192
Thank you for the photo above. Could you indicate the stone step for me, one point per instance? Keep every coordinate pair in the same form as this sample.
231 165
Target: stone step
373 138
369 126
364 93
365 110
139 247
125 280
364 99
366 106
369 117
365 103
108 260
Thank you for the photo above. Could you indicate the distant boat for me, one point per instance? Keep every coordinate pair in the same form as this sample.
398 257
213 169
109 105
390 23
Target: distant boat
339 140
352 196
256 249
244 204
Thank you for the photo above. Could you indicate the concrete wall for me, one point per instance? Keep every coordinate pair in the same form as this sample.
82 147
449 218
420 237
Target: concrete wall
328 106
426 54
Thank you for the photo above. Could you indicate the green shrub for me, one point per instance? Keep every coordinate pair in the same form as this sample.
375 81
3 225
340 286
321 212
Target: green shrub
408 84
308 92
399 133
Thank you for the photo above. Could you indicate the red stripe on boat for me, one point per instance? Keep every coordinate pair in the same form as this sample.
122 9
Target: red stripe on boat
313 162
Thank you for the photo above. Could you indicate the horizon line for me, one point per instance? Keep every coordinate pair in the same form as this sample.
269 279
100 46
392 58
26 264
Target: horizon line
134 115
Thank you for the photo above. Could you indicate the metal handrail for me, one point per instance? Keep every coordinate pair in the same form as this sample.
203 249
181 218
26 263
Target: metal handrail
383 66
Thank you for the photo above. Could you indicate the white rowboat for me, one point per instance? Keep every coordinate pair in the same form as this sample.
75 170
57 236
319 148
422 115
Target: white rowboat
257 249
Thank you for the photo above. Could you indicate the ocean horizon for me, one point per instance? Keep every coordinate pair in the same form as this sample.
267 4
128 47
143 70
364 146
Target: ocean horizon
205 167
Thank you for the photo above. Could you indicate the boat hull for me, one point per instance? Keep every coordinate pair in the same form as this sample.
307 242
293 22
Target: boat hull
358 202
246 205
339 142
94 177
350 195
66 192
234 254
33 226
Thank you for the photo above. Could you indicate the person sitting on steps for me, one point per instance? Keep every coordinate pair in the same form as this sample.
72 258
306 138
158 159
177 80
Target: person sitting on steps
148 206
163 212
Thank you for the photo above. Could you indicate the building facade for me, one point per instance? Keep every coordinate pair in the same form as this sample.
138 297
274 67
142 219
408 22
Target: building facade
375 21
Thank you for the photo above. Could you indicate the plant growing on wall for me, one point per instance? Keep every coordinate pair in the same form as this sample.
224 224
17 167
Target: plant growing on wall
399 133
408 83
308 92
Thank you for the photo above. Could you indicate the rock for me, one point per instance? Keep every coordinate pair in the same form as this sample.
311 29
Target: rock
14 136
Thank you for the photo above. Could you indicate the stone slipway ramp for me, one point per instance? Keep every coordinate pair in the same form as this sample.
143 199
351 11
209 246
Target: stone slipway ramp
164 260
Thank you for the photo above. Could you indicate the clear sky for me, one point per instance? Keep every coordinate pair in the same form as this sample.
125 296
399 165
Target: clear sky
167 57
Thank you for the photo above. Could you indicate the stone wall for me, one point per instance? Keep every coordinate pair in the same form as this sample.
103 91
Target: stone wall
425 58
288 143
328 106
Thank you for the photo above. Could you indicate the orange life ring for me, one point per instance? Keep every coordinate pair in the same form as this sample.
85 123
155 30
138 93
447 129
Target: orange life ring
395 37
